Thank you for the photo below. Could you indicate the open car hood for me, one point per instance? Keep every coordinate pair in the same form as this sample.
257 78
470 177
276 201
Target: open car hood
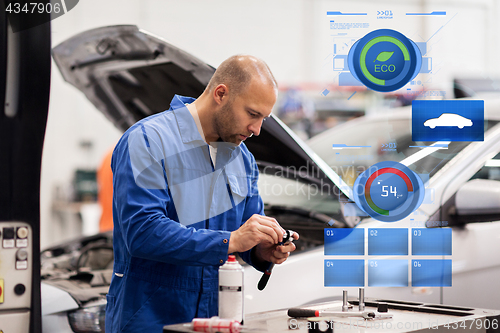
129 74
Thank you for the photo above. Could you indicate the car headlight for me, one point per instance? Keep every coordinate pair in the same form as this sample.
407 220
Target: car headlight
89 319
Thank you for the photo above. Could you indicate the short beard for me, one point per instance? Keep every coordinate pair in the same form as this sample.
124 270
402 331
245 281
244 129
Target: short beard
223 123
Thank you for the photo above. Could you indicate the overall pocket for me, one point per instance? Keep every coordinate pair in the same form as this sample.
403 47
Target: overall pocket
239 187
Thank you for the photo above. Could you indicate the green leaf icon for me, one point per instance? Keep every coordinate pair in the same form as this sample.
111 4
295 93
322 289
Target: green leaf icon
384 56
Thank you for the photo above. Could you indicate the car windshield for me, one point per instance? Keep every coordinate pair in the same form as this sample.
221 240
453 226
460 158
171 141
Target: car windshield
373 140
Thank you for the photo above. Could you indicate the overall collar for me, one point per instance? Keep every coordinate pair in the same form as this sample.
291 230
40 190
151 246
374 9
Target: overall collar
187 126
189 131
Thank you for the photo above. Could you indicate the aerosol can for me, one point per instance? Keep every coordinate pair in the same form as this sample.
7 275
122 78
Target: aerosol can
231 290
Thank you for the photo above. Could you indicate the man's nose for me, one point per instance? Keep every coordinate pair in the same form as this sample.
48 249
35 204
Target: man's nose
255 127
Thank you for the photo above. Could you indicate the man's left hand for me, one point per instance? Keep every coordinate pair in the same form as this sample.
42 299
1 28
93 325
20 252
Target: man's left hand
277 254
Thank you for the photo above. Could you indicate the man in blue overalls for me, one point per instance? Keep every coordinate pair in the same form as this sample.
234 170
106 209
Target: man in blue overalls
185 196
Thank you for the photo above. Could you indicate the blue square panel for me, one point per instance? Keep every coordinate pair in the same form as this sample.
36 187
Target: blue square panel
388 241
431 273
447 120
344 273
344 241
434 241
387 273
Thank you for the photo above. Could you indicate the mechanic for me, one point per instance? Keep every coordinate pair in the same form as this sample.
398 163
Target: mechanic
185 196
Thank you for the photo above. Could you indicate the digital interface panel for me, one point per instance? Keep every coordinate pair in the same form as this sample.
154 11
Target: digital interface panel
369 50
394 257
372 52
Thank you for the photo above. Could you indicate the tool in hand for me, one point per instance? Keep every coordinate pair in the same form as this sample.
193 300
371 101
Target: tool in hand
287 238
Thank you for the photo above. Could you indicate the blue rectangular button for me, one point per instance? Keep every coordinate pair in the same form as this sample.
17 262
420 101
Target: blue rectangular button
344 273
344 241
451 120
434 241
388 241
431 273
388 273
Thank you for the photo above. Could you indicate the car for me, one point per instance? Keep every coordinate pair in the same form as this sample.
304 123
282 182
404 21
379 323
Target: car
448 120
306 186
462 179
75 277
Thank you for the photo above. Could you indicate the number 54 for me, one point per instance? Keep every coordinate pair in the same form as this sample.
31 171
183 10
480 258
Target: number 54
386 192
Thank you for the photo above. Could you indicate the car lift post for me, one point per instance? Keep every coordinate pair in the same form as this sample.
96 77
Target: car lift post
24 93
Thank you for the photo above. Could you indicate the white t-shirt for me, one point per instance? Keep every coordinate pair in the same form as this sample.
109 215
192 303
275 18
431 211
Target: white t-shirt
194 113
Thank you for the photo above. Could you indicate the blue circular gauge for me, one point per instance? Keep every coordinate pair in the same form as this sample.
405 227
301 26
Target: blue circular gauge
384 60
388 191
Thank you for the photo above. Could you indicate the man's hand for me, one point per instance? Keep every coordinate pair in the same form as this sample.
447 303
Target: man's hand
256 230
264 233
276 254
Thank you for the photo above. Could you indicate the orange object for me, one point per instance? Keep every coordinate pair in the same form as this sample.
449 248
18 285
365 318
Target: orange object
105 193
1 290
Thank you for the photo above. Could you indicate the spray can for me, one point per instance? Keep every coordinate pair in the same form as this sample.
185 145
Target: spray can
231 290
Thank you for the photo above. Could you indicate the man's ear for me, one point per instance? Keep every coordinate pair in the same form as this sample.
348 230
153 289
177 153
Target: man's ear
220 93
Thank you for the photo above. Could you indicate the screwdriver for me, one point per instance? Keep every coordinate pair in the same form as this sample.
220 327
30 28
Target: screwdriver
287 237
301 313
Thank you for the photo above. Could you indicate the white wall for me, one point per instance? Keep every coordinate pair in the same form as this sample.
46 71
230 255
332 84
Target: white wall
293 36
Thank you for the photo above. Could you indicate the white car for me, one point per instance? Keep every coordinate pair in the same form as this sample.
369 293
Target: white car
299 183
448 120
463 190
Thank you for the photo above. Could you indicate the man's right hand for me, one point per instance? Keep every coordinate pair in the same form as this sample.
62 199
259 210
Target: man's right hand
257 229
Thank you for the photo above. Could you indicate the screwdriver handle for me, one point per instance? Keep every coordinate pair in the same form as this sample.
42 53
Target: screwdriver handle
287 237
263 280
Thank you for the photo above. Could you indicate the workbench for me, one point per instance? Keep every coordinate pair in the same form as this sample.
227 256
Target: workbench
406 317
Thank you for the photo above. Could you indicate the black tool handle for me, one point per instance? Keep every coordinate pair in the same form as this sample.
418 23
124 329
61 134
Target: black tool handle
263 280
298 313
287 237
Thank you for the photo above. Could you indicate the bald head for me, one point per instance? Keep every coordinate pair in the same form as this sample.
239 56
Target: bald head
240 95
238 71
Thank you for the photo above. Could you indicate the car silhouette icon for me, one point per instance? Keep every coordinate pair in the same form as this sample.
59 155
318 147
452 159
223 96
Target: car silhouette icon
448 119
